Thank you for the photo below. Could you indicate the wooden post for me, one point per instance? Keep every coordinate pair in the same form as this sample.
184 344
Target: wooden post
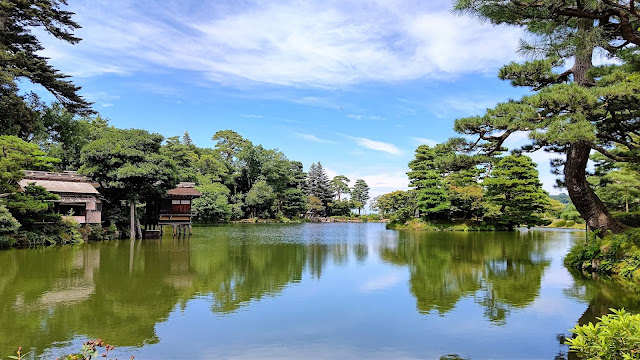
139 228
190 230
175 231
132 227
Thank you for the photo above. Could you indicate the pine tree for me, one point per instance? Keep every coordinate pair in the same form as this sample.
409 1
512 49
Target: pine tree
431 193
318 184
576 111
186 139
514 186
360 193
19 49
340 185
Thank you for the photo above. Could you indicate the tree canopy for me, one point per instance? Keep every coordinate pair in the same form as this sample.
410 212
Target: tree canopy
360 194
572 112
19 48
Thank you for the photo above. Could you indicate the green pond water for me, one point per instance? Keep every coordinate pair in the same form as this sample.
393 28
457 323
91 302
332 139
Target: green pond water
304 291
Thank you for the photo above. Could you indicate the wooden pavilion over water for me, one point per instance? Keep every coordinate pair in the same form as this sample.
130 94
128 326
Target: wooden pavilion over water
174 210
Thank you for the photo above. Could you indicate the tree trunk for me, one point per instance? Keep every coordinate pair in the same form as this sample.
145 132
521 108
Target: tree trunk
626 203
132 223
584 199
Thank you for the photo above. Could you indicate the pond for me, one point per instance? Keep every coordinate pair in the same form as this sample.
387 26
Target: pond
306 291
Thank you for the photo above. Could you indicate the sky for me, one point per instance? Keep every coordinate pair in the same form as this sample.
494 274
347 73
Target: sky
356 85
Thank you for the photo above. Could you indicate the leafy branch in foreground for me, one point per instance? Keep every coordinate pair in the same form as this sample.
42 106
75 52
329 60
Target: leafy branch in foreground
615 336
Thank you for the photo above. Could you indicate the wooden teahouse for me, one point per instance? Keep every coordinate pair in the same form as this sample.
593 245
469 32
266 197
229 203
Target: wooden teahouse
79 198
174 210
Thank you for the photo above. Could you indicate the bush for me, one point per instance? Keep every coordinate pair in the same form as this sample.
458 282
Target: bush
559 223
569 223
614 254
630 219
6 241
615 336
70 232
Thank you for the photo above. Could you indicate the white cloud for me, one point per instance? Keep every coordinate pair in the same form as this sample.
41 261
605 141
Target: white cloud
377 145
424 141
298 43
101 98
380 180
364 117
382 283
252 116
311 137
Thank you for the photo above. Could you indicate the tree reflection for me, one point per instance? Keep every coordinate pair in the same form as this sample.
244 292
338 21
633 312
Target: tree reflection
119 291
501 270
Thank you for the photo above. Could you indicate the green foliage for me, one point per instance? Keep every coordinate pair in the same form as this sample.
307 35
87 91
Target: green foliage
584 108
18 155
63 136
432 194
70 232
293 203
398 206
213 206
19 48
8 224
184 157
340 185
629 219
360 194
20 115
563 198
570 213
229 143
615 254
341 207
319 186
314 206
260 198
614 336
210 168
514 186
128 164
617 183
33 209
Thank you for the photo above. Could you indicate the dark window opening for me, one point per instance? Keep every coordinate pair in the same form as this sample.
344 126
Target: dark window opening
73 209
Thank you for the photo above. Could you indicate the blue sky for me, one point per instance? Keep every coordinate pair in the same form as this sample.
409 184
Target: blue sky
356 85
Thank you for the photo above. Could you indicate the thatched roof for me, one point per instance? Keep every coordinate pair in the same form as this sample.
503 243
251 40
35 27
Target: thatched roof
59 183
61 186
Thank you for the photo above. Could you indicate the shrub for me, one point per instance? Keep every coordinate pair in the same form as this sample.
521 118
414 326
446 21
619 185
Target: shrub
614 254
70 232
615 336
570 223
559 223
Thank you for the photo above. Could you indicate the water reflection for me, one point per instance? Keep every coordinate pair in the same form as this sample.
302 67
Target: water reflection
501 270
121 290
353 284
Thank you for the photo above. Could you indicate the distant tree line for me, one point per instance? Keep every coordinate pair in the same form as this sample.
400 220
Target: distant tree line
445 185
